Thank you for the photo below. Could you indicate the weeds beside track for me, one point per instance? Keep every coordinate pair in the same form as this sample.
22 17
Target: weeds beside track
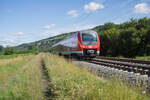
27 84
46 76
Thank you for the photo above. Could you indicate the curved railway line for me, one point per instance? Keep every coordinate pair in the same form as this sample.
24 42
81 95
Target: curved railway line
130 65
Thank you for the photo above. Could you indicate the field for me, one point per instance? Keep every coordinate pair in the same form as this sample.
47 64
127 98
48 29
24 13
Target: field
46 76
2 56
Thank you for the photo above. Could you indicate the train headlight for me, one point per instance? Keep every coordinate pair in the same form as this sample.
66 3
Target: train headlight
90 51
89 46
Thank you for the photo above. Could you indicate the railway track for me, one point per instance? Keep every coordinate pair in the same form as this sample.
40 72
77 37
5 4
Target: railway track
125 60
130 65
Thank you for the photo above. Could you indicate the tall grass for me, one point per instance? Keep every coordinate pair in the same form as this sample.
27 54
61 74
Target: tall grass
10 67
10 61
143 58
72 83
24 80
26 84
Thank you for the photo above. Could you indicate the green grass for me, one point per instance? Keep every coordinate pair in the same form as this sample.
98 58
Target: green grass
12 56
21 78
72 83
24 79
139 57
143 58
10 67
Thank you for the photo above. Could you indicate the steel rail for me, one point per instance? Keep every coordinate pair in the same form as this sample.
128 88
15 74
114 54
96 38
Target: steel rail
124 60
143 69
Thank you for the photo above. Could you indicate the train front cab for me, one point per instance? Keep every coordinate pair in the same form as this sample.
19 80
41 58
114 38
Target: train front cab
89 43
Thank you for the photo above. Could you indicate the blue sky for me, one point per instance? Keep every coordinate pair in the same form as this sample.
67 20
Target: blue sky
23 21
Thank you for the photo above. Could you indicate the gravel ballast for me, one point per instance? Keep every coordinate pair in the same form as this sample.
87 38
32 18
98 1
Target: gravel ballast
107 72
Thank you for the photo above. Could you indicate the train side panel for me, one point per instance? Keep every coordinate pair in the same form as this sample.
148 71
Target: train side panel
70 45
67 46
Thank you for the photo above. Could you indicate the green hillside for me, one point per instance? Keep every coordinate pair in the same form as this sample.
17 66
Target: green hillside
45 44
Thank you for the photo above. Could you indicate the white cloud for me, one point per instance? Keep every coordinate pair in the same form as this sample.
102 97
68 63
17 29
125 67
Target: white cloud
77 27
6 42
74 27
11 41
50 33
19 33
93 6
71 28
33 32
142 8
46 32
47 27
73 13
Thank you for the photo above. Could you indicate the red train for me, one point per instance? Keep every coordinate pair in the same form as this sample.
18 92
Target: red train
81 44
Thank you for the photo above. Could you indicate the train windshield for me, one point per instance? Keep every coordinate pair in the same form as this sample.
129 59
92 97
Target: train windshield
89 38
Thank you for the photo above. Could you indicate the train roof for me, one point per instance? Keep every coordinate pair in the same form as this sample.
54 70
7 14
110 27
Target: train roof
87 31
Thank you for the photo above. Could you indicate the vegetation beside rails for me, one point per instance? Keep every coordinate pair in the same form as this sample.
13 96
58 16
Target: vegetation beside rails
13 55
147 58
10 52
26 82
72 83
143 57
10 67
22 79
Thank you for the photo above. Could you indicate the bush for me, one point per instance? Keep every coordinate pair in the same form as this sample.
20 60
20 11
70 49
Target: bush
1 49
33 49
8 51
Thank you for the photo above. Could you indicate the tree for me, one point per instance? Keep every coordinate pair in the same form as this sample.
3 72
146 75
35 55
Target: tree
8 50
1 49
108 26
147 40
128 43
129 39
33 49
143 23
109 42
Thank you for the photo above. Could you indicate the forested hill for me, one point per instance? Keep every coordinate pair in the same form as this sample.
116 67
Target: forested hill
127 39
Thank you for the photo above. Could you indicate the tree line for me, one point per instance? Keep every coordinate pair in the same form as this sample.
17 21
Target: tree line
10 50
129 39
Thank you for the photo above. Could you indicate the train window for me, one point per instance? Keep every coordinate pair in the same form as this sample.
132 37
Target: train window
89 37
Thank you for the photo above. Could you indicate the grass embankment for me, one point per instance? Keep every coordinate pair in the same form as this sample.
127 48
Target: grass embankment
138 57
71 82
143 58
24 79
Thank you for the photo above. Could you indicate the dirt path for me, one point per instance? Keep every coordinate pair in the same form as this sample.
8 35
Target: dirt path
49 94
